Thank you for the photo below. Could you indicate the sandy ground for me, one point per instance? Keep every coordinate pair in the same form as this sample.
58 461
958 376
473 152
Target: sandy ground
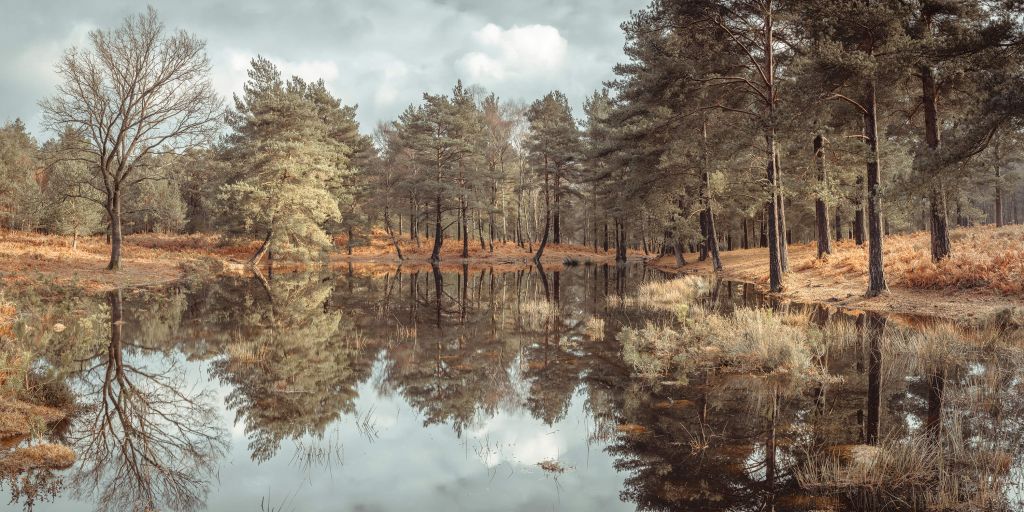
812 283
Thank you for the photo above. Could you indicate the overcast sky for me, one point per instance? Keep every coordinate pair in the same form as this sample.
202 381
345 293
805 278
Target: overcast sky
379 54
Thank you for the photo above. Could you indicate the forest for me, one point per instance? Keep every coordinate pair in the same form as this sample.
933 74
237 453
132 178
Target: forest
774 260
728 125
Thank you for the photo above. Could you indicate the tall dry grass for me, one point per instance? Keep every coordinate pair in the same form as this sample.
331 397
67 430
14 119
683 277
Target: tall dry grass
984 257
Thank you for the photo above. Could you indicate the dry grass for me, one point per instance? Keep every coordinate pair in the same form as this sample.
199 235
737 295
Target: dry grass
536 313
22 418
755 341
922 471
40 456
669 296
984 257
593 328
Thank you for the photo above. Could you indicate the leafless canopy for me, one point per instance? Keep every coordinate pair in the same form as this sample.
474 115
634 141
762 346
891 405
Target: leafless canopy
134 91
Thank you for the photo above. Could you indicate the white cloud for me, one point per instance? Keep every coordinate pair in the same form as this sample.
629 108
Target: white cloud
514 53
229 72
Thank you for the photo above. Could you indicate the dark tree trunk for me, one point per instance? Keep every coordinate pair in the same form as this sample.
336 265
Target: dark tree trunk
544 237
772 220
605 245
558 209
435 253
875 325
746 239
781 213
262 251
464 226
820 208
876 269
839 225
999 198
710 234
677 249
114 212
762 237
391 233
859 231
939 222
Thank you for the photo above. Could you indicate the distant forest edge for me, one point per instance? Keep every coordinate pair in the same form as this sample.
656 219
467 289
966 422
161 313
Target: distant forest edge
730 124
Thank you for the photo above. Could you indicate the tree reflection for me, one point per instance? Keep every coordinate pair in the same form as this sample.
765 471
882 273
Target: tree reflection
292 361
146 441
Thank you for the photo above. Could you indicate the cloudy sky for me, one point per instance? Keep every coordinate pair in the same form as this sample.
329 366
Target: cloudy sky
380 54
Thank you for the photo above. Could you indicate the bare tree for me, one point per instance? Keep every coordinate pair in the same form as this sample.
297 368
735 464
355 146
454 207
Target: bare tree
135 91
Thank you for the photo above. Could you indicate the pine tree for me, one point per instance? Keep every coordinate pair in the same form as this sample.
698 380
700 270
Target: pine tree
287 162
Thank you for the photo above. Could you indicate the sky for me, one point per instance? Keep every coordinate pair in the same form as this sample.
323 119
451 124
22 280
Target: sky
379 54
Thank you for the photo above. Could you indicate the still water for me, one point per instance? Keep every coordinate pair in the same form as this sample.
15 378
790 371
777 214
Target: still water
457 390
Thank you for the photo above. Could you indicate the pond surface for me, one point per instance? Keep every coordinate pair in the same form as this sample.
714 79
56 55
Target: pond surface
473 390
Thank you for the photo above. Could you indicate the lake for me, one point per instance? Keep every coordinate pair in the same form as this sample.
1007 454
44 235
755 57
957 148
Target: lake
480 389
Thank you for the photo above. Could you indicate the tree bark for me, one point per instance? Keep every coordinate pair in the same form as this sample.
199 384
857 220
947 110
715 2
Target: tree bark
781 213
114 211
435 252
859 232
710 235
264 247
876 269
999 197
391 233
839 225
820 207
939 221
772 220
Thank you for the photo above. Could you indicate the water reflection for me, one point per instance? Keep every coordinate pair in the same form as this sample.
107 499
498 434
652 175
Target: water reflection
145 440
446 387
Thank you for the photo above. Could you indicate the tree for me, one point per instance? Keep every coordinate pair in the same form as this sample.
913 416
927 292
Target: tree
72 206
287 163
136 91
20 176
555 146
858 47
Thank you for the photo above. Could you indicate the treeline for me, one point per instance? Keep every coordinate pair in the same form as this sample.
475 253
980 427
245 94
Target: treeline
731 124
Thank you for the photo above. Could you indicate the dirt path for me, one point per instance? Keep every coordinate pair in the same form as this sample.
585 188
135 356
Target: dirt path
808 282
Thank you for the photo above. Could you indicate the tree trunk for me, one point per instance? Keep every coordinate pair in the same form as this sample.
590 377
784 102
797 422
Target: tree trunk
820 208
677 248
783 231
876 270
435 253
264 247
839 225
605 245
464 227
711 236
114 211
859 233
391 233
939 222
544 237
746 240
999 197
772 219
620 251
558 208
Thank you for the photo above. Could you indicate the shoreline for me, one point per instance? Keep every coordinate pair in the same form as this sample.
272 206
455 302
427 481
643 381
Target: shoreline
29 260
